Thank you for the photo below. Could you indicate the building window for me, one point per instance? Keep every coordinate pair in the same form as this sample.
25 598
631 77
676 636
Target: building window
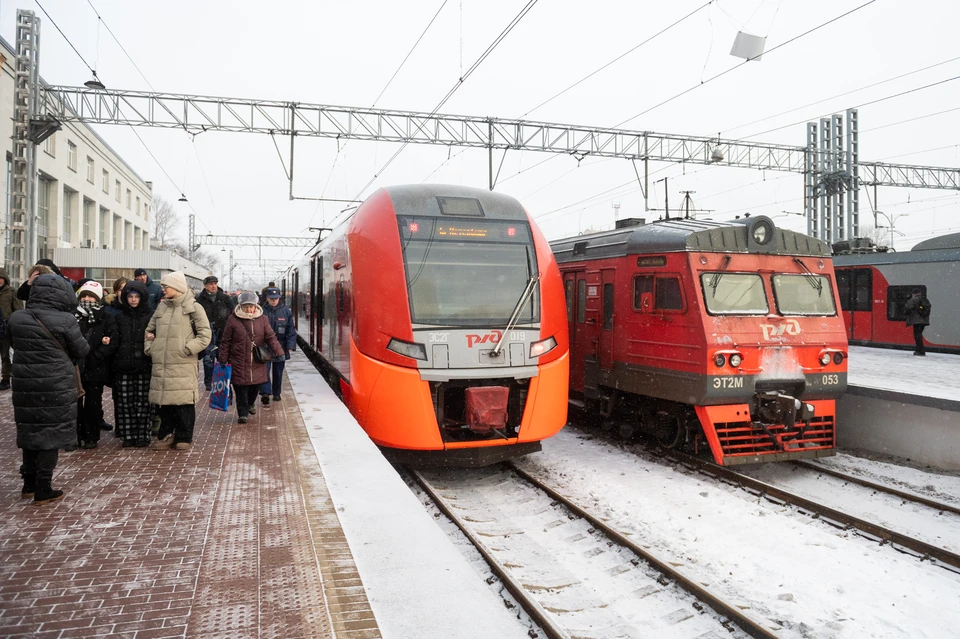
116 190
146 211
68 198
50 146
43 207
90 170
117 230
106 181
71 156
137 210
104 222
128 198
87 214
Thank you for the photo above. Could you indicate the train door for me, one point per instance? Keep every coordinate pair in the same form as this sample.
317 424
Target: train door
607 319
316 295
855 288
582 332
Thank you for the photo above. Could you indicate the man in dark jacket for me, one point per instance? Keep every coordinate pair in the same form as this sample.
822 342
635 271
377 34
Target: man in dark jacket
46 343
917 310
41 267
281 321
8 304
154 294
218 306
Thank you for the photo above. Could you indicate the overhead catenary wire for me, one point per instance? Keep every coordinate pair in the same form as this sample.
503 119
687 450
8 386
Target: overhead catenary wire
53 22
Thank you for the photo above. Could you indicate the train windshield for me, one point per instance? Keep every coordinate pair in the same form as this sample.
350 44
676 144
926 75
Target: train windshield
734 293
468 272
806 294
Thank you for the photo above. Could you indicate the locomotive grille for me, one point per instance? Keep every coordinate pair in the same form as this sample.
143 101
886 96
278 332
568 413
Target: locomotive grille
741 439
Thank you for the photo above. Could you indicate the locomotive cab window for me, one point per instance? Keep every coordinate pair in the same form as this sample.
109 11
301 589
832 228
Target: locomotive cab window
668 295
803 294
897 296
734 293
608 307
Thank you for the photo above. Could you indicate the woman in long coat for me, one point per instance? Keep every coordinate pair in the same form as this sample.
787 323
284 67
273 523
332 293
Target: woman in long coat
46 342
177 331
131 366
247 327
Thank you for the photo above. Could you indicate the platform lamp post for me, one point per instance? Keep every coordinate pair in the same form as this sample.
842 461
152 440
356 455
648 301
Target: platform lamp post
891 221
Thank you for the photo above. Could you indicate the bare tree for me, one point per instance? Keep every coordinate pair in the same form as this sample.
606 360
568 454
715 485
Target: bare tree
165 221
206 259
879 236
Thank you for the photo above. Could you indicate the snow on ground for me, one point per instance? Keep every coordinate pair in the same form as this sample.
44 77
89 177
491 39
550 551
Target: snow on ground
936 375
943 486
815 580
912 519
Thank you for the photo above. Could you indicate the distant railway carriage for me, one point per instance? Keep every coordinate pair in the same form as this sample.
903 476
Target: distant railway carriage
711 335
874 287
437 312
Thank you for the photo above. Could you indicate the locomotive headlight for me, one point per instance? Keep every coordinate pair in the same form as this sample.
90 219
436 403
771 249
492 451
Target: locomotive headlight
542 347
761 233
719 360
838 358
736 359
412 350
825 358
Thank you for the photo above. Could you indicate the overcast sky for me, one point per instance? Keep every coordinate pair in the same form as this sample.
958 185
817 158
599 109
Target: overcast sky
344 53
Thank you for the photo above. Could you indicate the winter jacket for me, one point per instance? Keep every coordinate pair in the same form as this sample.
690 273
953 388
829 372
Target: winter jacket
8 297
218 306
182 331
236 346
44 380
912 310
281 321
95 367
127 330
154 294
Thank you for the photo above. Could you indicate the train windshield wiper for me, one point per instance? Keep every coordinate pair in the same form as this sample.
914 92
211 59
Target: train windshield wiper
515 316
811 277
719 274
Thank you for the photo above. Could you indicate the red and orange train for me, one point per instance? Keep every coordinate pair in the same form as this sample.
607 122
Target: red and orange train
709 335
437 313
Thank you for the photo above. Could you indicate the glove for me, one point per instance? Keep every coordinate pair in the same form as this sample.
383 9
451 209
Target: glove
286 355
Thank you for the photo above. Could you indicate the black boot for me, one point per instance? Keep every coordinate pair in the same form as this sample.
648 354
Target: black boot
29 484
5 385
44 493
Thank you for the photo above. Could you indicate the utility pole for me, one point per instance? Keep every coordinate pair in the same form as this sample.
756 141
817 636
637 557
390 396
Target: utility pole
230 273
191 237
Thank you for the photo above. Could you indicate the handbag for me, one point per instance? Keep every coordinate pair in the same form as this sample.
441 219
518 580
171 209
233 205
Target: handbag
261 354
76 368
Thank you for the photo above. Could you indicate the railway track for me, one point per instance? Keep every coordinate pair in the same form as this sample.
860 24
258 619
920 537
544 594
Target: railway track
901 542
575 575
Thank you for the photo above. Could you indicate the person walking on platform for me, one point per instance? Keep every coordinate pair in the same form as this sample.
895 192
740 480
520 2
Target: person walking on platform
154 290
247 329
218 307
95 367
110 298
281 321
176 333
47 342
131 367
8 304
917 309
42 266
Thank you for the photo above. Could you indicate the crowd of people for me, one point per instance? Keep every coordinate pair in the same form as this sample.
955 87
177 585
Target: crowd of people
71 340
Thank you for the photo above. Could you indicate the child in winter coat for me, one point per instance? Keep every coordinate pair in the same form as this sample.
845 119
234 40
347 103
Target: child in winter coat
95 368
281 321
131 366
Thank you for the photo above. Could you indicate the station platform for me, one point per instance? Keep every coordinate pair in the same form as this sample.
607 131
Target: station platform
902 405
292 526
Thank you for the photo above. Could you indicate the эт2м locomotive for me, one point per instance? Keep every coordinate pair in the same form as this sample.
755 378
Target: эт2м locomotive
437 314
707 334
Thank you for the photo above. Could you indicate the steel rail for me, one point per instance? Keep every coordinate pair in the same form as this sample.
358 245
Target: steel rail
932 503
529 604
843 520
732 612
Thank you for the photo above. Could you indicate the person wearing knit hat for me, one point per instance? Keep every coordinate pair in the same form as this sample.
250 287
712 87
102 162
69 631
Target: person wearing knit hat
176 334
95 367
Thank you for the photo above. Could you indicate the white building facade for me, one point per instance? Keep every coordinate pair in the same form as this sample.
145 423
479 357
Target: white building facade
86 197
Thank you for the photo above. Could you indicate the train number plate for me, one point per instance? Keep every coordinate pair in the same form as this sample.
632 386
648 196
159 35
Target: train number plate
728 382
439 338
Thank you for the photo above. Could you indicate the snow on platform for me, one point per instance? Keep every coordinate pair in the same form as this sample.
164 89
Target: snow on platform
935 376
417 582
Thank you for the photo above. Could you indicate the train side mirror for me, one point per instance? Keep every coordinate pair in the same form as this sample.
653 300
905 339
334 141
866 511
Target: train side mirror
646 302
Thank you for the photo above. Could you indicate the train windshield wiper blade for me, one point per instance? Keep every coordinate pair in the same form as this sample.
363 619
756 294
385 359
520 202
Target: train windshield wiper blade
719 274
810 276
515 316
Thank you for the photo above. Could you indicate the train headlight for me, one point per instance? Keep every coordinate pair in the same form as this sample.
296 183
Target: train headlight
412 350
542 347
825 358
838 358
719 360
736 359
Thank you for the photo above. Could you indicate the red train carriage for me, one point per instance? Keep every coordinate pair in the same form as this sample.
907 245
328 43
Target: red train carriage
708 335
437 312
873 288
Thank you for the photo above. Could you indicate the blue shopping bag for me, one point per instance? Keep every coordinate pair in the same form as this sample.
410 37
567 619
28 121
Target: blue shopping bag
220 387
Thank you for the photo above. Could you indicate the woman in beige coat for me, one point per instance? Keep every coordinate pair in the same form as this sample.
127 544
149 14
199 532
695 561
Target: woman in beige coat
178 330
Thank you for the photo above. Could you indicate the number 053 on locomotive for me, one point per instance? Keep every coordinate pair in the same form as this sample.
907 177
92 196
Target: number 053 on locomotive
719 336
437 312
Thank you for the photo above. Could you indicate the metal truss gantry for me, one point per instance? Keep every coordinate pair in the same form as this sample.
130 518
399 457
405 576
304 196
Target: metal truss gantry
255 241
823 165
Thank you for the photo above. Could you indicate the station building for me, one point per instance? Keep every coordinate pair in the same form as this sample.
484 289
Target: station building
87 195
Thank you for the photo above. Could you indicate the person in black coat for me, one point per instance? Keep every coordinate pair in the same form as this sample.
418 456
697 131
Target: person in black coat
219 307
131 367
95 368
917 311
46 343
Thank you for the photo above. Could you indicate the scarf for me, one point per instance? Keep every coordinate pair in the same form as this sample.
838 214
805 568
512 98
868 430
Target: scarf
88 309
238 311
